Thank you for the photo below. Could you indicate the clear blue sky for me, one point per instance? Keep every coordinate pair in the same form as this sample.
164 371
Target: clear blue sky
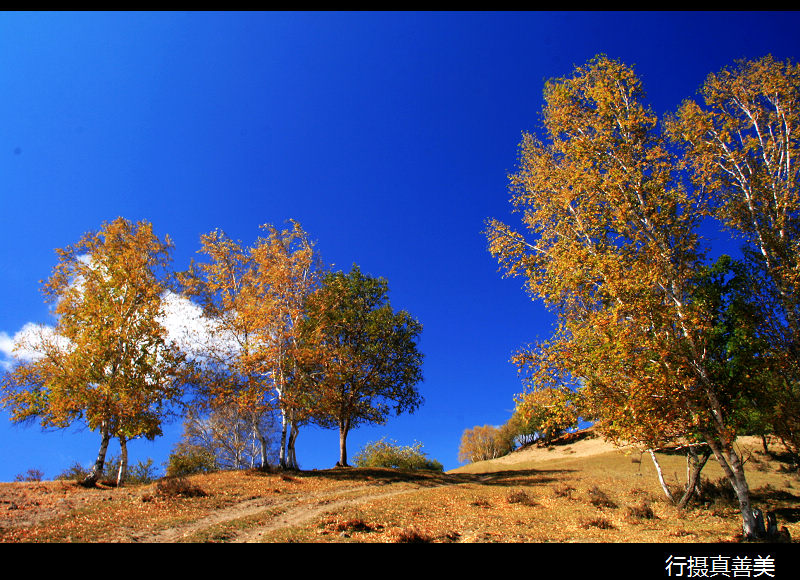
388 136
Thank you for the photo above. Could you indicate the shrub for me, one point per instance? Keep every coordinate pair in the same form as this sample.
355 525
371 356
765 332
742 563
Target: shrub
601 523
641 512
383 453
412 536
178 487
139 473
30 475
351 521
481 502
521 497
142 472
599 498
75 472
190 459
563 490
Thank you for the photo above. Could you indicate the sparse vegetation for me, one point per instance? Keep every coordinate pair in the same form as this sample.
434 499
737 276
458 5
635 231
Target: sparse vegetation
383 453
141 472
563 490
521 497
178 487
32 474
188 459
413 536
642 511
557 497
601 523
600 499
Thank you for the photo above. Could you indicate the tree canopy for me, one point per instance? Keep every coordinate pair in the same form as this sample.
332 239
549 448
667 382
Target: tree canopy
368 363
253 300
108 360
613 248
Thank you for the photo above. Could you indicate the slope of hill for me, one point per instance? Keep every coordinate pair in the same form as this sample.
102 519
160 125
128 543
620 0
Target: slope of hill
579 490
581 444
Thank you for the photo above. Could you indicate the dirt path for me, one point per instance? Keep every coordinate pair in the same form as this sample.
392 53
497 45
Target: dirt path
298 514
286 513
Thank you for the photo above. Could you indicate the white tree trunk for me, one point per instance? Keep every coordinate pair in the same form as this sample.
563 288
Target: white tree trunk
122 474
97 469
663 483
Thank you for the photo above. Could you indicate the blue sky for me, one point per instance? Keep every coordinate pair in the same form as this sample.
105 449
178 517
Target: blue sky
388 136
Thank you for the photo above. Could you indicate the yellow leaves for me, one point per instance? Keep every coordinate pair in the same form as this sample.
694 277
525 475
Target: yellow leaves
254 297
612 246
107 358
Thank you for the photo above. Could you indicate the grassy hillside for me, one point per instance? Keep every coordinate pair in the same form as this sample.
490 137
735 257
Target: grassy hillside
577 491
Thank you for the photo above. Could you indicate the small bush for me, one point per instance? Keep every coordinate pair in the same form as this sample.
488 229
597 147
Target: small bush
412 536
171 487
30 475
349 522
190 459
600 499
141 472
383 453
641 512
480 502
75 472
601 523
521 497
563 490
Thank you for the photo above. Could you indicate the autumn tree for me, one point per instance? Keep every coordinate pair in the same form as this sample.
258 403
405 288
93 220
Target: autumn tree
741 140
108 361
612 249
483 442
291 268
252 299
368 364
546 413
236 438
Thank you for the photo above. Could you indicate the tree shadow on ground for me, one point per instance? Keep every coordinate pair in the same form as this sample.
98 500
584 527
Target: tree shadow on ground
788 514
388 475
434 478
516 477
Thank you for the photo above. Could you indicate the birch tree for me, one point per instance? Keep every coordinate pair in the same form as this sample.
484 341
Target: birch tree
741 140
252 298
612 248
108 361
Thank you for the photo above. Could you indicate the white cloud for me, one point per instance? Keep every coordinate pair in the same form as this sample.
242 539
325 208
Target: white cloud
6 348
186 327
22 344
191 331
6 344
26 343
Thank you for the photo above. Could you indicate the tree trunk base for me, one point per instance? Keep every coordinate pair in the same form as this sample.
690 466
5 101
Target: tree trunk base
766 529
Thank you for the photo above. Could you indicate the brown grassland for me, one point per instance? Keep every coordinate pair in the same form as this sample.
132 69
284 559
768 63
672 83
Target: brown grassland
579 490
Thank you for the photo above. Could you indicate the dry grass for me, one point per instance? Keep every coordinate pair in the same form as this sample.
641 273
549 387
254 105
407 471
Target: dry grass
601 496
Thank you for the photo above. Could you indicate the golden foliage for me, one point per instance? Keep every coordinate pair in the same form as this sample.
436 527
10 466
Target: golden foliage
108 361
